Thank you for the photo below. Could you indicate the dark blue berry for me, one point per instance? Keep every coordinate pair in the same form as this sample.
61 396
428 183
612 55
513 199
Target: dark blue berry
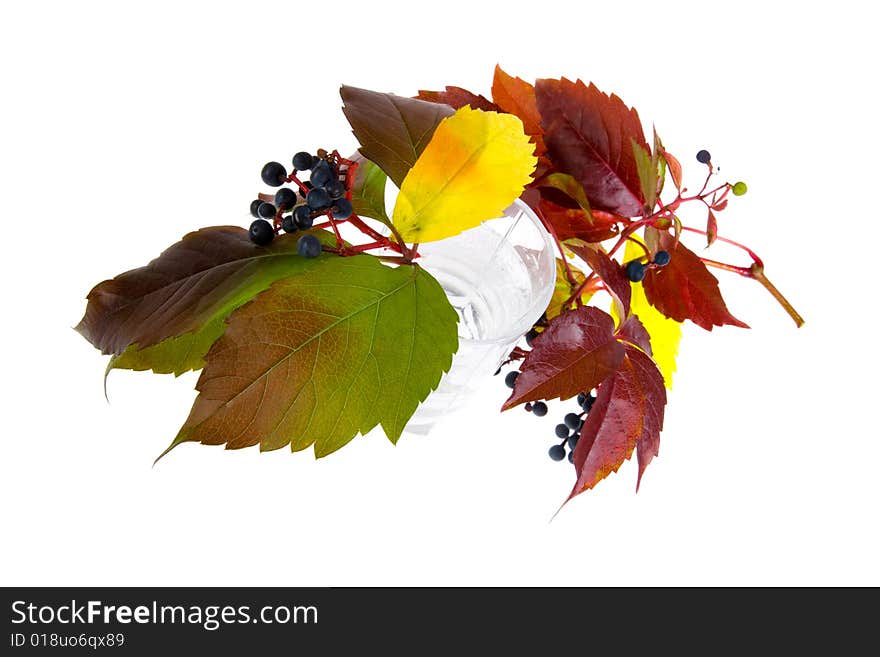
288 223
266 211
261 232
342 209
571 457
588 403
703 156
322 173
561 431
302 215
635 271
285 198
318 199
557 452
661 258
530 336
573 441
308 246
582 396
255 205
510 379
336 188
303 161
274 174
572 421
539 409
308 187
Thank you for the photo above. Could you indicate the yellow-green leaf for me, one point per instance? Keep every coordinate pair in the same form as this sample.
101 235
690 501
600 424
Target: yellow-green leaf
476 164
665 333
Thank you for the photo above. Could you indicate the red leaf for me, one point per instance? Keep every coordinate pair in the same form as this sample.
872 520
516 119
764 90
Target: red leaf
711 228
588 135
685 289
517 97
674 168
627 414
633 331
576 352
573 222
457 98
609 271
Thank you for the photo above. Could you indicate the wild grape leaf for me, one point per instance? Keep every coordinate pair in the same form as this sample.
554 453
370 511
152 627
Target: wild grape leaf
196 281
476 165
647 168
608 269
456 97
563 289
576 352
368 190
711 228
633 331
674 168
686 289
658 163
569 187
627 415
574 222
517 97
392 130
323 356
588 134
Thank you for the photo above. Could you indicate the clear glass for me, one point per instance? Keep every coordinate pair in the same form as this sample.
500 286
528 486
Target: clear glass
499 277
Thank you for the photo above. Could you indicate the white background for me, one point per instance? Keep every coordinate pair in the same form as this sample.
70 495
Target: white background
126 125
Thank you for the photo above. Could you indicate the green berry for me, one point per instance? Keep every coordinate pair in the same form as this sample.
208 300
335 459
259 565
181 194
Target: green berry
739 188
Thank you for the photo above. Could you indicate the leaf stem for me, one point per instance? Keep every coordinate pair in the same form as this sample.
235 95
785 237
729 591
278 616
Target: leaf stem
758 275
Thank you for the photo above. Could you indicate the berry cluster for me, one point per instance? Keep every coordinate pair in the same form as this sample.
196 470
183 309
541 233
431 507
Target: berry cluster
636 270
326 192
569 430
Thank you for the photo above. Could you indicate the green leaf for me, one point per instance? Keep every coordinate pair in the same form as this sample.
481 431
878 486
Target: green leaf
658 161
647 170
368 190
567 184
392 130
166 315
323 356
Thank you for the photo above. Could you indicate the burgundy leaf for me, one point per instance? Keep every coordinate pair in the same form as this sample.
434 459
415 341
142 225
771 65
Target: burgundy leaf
574 353
517 97
457 98
589 135
686 289
627 414
633 331
609 270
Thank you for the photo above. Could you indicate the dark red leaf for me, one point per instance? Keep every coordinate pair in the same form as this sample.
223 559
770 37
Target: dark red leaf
576 352
574 222
588 134
609 270
633 331
627 414
674 168
516 96
456 97
686 289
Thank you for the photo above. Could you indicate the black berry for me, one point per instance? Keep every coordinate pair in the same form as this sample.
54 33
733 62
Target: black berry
308 246
318 199
571 457
703 156
285 198
557 452
573 441
336 188
322 173
266 211
308 187
342 208
539 409
255 205
530 336
588 403
572 421
303 161
635 271
510 379
582 396
302 215
274 174
288 223
661 258
261 232
561 431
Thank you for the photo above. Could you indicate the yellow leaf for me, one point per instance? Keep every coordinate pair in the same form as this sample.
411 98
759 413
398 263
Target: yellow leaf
665 333
476 164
